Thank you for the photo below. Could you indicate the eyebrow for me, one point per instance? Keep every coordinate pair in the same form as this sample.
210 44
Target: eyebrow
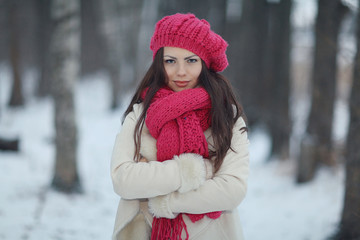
184 58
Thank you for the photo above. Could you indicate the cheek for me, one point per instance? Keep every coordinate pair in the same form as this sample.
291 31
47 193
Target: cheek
167 71
196 72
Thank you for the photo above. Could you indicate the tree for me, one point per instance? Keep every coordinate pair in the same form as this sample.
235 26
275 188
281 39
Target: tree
120 24
214 12
130 18
43 41
92 42
16 98
316 146
109 29
350 219
65 55
251 43
216 15
275 85
168 7
149 15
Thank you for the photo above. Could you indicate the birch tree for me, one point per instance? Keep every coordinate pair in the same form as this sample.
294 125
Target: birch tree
65 55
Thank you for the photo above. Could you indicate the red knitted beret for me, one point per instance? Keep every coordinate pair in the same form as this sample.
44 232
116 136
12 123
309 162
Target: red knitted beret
188 32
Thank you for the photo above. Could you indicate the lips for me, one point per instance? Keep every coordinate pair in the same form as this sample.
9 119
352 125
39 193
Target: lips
181 84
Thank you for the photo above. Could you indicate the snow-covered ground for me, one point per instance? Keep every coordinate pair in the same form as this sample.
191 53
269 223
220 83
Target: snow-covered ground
275 207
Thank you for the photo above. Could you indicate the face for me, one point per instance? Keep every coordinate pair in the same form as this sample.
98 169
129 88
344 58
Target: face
182 68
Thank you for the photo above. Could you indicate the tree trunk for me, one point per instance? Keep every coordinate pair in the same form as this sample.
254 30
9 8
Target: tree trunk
43 40
111 34
120 26
276 80
149 15
65 52
330 14
16 98
232 35
350 220
130 18
216 15
249 66
214 11
169 7
92 42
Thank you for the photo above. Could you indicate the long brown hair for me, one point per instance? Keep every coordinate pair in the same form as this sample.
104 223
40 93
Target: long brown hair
225 109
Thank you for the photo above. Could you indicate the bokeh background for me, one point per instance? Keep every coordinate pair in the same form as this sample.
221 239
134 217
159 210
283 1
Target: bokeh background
68 69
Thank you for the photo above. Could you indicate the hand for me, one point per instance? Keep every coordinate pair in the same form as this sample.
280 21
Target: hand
192 171
159 207
142 159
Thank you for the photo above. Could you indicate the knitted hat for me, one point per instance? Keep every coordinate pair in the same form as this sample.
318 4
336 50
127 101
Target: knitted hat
188 32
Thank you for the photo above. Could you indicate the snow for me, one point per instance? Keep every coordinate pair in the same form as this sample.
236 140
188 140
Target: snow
274 208
29 209
277 208
304 12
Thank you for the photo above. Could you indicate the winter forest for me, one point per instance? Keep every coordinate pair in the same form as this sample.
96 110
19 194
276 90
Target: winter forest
68 69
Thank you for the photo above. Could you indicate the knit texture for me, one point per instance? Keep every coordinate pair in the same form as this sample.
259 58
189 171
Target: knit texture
188 32
177 120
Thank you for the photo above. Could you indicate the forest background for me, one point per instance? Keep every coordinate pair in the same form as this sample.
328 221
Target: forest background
68 68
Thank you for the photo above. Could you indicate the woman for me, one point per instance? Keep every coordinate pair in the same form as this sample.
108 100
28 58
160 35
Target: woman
180 162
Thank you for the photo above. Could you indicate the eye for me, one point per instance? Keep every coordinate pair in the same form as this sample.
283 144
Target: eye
169 61
192 60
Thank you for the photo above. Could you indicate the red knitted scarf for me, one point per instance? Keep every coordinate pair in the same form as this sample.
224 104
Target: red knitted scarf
177 120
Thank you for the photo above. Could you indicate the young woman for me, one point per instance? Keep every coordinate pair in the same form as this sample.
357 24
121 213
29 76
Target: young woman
180 162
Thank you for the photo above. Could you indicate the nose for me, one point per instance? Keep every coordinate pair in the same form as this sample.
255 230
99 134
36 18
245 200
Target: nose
181 71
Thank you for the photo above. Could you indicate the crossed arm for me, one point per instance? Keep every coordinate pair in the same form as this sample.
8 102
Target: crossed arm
184 185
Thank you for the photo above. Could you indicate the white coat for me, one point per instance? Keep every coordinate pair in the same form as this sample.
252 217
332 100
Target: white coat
171 192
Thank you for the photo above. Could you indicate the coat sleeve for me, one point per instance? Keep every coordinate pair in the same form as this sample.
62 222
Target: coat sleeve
132 180
227 188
